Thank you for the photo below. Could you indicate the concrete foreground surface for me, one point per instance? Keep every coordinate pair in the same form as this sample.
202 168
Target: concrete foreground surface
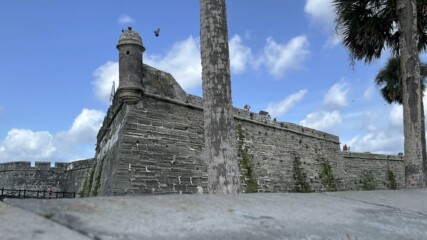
376 215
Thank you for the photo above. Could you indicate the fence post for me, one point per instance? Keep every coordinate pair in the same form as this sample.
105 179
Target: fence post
38 193
19 193
74 194
44 193
56 194
25 192
2 190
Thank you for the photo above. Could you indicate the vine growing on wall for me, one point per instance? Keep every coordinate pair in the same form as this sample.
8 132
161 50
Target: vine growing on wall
300 178
368 181
328 179
391 180
82 192
87 184
246 165
98 180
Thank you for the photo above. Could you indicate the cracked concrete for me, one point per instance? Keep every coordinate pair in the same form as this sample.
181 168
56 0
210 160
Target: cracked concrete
335 215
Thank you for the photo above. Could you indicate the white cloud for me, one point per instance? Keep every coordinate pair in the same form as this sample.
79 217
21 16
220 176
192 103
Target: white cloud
240 55
123 19
365 131
369 92
382 135
86 125
376 133
333 40
323 121
280 108
104 76
76 143
27 145
279 58
396 116
321 13
182 61
377 142
337 96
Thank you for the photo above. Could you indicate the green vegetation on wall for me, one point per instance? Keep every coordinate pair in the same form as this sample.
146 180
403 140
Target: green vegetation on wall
98 180
246 165
300 178
84 189
391 180
368 181
328 180
87 184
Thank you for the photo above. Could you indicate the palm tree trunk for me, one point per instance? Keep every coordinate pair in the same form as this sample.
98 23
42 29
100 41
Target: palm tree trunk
412 96
219 134
423 132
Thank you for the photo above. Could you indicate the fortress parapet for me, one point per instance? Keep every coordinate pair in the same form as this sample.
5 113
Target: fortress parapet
151 141
261 119
15 166
62 176
26 165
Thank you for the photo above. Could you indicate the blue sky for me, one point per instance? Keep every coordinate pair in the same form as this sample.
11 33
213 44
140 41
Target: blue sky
58 60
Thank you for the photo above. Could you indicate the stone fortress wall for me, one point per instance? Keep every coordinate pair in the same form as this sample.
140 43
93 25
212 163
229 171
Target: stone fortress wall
152 137
158 142
154 148
66 177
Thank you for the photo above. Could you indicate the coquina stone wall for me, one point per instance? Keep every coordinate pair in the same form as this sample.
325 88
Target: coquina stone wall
20 175
66 177
154 147
75 174
360 167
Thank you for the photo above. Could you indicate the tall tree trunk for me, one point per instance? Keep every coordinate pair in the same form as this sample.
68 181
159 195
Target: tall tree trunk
412 96
219 133
423 132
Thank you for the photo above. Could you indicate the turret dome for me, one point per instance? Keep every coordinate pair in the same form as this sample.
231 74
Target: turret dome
130 37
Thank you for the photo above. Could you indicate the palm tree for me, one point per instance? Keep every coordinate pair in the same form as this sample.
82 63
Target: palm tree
219 134
415 172
368 27
390 83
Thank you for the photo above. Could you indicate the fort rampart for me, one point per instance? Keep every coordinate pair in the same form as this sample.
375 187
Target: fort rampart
154 147
66 177
151 141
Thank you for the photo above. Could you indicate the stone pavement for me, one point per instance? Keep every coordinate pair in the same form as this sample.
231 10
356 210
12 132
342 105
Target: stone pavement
335 215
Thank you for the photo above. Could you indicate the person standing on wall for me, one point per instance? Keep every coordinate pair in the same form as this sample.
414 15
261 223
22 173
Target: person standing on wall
345 148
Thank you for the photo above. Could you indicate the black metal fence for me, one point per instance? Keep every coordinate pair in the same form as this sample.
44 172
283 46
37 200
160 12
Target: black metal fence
19 193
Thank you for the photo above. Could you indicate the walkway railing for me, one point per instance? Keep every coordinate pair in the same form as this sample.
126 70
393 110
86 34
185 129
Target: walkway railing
14 193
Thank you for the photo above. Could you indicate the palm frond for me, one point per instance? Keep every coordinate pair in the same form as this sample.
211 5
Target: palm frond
389 80
367 27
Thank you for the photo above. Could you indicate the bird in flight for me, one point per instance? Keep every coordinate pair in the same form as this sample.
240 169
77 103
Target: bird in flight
157 32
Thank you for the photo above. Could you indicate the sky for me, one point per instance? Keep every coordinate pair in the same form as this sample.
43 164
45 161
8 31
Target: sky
58 60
